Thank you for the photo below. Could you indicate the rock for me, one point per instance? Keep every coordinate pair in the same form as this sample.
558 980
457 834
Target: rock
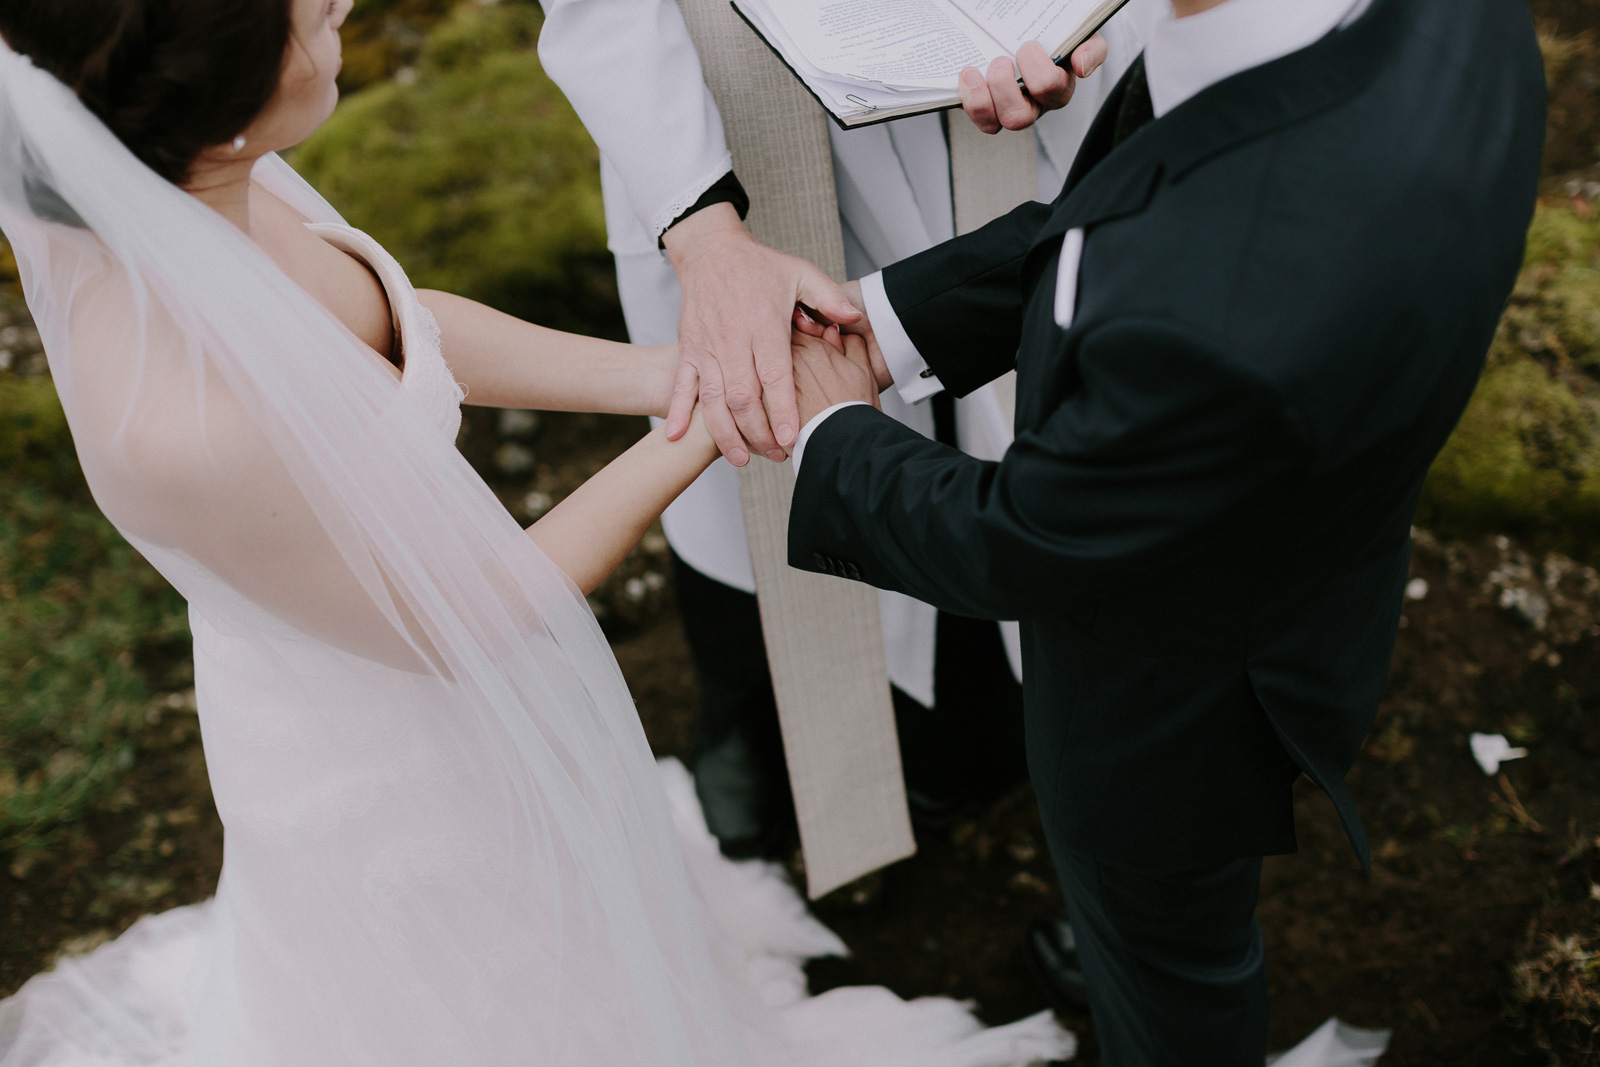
1534 609
516 422
535 504
514 459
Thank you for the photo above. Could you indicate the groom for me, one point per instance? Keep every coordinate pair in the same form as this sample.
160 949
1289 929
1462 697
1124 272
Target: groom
1242 333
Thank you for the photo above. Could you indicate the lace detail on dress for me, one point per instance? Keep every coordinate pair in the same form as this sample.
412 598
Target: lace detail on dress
441 395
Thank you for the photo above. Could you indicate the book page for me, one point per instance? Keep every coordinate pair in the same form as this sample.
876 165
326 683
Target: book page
845 98
909 44
1016 22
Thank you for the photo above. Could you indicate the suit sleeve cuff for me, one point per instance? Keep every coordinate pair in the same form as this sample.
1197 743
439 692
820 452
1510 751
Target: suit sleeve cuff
913 379
808 428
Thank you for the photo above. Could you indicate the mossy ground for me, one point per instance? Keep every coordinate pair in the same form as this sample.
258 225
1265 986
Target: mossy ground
1526 455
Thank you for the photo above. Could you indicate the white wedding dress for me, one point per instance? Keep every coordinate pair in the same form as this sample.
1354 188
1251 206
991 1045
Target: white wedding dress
447 841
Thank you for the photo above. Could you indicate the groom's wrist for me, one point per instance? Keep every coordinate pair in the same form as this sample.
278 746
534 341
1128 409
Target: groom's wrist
907 371
810 428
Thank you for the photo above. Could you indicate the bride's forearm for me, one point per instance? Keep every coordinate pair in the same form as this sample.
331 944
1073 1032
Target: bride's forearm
505 362
592 531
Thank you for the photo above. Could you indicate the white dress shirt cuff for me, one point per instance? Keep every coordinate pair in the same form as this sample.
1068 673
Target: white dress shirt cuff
808 428
912 378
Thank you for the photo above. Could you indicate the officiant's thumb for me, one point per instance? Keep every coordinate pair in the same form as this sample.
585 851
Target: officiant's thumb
825 301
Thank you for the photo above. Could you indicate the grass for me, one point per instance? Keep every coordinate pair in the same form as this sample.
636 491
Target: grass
475 173
83 618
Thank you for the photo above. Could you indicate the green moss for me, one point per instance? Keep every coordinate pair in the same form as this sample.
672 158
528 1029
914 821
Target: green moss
1554 312
80 613
477 175
1526 456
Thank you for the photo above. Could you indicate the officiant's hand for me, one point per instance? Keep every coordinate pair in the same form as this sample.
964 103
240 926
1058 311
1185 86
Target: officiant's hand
831 369
734 358
998 102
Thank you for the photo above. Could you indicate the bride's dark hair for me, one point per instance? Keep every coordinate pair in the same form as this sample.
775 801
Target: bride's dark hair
168 77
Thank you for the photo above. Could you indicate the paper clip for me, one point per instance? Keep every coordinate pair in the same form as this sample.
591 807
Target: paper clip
858 102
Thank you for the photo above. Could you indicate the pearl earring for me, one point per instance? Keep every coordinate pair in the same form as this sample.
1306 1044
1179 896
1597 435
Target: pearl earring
238 143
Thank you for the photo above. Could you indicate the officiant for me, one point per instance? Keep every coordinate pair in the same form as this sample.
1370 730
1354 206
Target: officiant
674 210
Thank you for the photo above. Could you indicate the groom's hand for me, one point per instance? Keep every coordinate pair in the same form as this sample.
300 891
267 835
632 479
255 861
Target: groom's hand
998 102
734 357
861 328
831 369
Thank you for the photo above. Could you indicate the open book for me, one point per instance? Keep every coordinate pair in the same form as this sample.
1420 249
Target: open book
870 61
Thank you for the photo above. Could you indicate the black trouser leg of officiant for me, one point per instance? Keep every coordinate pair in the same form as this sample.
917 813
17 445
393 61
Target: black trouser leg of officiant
968 747
1173 959
740 774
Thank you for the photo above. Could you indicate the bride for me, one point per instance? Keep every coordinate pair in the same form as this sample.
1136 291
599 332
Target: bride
447 842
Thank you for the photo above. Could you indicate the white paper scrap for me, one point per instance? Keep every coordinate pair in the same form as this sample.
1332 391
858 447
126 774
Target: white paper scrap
1491 750
1335 1044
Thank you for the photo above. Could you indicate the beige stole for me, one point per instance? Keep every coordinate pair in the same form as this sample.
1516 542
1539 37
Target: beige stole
990 175
823 636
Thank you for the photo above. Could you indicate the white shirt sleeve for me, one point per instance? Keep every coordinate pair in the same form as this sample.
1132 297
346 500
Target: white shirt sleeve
912 378
806 430
632 73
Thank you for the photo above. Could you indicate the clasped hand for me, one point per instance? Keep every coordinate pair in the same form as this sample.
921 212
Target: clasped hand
831 368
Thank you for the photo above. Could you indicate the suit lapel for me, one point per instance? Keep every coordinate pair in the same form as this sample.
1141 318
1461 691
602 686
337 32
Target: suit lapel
1106 183
1100 139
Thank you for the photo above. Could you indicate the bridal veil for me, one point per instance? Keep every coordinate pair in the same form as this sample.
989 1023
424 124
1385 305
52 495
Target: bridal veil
480 736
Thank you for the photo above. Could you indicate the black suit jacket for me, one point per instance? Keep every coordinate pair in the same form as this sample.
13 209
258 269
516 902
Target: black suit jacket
1287 290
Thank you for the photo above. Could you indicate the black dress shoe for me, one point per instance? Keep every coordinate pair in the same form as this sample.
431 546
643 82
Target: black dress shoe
1053 952
935 813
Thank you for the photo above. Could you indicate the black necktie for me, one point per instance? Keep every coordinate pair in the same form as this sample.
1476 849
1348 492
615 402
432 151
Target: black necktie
1135 110
944 418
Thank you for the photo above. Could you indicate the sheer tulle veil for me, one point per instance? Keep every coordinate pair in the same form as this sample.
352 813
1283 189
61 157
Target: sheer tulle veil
364 557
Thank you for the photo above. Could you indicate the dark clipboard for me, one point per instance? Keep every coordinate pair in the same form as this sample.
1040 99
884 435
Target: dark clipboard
898 114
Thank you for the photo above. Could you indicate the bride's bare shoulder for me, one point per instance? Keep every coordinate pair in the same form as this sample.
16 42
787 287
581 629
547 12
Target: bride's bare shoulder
152 419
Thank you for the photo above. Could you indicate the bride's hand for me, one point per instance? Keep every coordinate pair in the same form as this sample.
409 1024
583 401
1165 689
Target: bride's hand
831 369
663 373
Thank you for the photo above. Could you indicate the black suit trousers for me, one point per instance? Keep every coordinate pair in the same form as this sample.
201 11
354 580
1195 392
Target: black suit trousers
1173 960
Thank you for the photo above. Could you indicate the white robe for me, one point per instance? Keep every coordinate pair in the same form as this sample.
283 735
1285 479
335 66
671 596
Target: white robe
661 144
